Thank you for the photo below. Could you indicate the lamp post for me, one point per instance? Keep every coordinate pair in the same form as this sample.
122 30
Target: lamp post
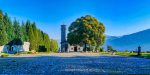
139 50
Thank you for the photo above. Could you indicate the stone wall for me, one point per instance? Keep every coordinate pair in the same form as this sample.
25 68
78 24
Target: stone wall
1 48
26 46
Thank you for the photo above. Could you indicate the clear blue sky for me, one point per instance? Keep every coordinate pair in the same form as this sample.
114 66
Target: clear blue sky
120 17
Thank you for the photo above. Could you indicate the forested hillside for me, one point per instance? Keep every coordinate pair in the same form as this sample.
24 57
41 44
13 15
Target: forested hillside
13 30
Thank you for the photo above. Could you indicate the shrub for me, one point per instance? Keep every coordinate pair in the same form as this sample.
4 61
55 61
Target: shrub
4 55
147 51
101 49
104 53
32 52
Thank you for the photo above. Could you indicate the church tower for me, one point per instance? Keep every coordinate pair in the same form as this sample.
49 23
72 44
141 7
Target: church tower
63 33
64 44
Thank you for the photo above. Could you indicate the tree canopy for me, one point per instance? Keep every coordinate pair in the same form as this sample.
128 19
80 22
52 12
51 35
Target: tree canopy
86 30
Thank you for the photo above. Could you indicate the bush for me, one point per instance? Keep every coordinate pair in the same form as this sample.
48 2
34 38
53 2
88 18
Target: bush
101 49
104 53
32 52
4 55
147 51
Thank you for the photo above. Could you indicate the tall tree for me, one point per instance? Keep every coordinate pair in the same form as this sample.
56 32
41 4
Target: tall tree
18 31
8 27
24 32
1 13
35 32
53 46
85 31
46 40
3 35
31 38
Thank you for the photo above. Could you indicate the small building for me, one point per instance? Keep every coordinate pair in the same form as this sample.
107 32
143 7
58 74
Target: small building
14 48
65 46
75 48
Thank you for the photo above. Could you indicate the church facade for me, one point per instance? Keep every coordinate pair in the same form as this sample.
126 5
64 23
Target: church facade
15 48
65 46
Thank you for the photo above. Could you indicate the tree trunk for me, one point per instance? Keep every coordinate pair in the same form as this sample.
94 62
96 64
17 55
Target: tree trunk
96 49
89 47
85 49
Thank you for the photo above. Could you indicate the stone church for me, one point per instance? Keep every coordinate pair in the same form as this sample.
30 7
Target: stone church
14 48
65 46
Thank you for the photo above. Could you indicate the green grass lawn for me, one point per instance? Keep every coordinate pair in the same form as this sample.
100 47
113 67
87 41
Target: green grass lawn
126 54
144 55
104 53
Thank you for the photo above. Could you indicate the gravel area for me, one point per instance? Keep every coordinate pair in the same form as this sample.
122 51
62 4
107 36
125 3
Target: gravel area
73 64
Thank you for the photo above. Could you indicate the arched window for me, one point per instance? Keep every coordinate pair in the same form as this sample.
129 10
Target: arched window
71 48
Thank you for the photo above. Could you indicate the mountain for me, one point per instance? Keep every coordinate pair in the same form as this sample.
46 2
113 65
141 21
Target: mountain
111 37
130 42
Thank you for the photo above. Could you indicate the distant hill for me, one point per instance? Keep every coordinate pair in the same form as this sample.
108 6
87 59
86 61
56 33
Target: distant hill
111 37
130 42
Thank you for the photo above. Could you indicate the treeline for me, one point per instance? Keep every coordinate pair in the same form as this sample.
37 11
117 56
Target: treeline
26 32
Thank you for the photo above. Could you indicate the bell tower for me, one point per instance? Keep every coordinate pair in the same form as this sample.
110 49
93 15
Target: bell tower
64 44
63 33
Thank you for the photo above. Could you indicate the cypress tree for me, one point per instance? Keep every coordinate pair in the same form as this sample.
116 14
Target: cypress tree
31 38
53 46
47 42
17 30
24 36
8 27
35 33
3 35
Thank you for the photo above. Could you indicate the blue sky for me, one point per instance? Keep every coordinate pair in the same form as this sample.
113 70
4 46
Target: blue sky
120 17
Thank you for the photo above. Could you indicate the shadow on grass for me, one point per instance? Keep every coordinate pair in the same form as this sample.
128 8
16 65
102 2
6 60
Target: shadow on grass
141 56
81 65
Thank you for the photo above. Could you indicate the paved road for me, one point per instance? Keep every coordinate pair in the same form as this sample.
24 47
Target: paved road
73 64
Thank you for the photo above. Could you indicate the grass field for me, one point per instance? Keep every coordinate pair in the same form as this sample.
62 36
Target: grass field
144 55
147 55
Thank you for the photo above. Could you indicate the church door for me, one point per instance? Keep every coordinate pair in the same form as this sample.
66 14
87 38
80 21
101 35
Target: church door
12 48
75 49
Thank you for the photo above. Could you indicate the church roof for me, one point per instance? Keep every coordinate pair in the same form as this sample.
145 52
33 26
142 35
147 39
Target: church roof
16 42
